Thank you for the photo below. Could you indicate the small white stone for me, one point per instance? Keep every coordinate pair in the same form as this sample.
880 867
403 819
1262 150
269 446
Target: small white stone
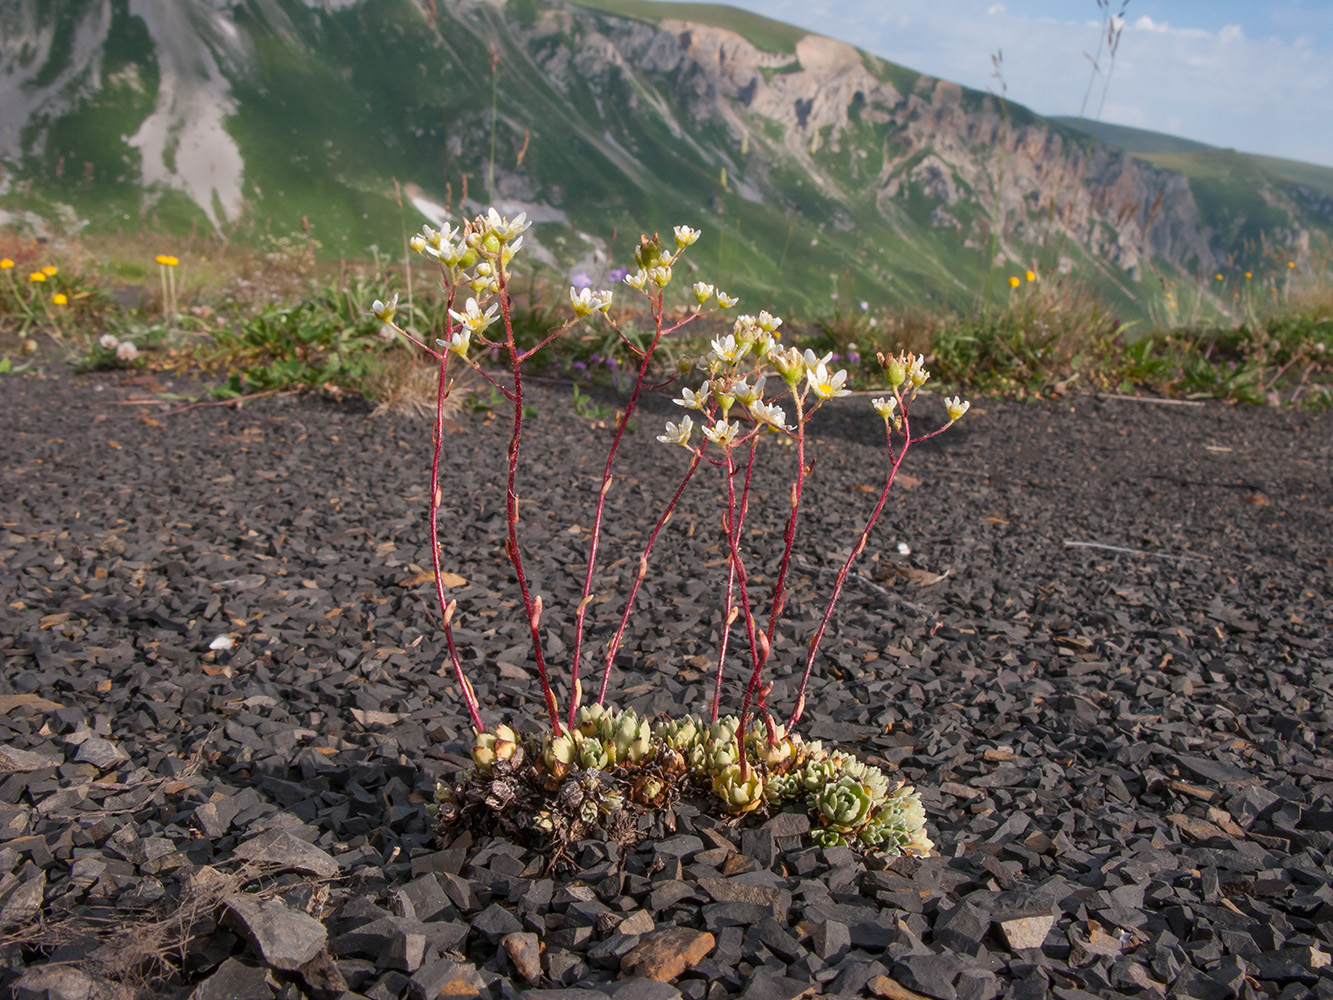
222 642
904 549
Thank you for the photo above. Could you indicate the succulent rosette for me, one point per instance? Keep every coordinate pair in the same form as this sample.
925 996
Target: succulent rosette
844 805
740 789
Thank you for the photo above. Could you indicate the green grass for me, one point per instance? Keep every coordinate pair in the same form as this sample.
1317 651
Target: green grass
762 32
1132 140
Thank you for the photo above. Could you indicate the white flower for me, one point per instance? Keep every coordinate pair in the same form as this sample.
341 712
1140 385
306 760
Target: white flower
508 250
885 407
702 291
505 228
747 394
638 279
726 301
723 433
956 408
692 400
728 349
585 300
916 373
685 236
678 433
764 344
812 362
473 318
126 351
660 275
107 342
824 385
767 323
419 244
459 342
769 413
482 285
383 311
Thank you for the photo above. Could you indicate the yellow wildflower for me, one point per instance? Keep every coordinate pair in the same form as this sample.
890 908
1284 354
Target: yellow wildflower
166 260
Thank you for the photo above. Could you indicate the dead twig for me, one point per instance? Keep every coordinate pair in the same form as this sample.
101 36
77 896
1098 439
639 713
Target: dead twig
1070 544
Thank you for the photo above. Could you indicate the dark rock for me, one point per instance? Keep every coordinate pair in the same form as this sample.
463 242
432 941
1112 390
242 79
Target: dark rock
932 975
962 928
444 978
286 938
235 980
282 850
495 922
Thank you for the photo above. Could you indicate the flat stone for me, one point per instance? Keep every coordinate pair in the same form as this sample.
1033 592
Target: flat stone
768 986
101 754
524 950
725 890
932 975
24 904
832 939
234 980
977 984
13 759
854 974
322 975
891 989
788 824
422 898
494 922
1027 930
638 922
962 928
663 955
637 988
1217 771
283 850
444 978
760 846
682 846
286 938
1093 944
719 915
57 982
406 952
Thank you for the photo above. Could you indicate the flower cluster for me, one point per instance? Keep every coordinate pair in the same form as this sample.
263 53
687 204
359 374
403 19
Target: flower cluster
738 372
124 350
472 256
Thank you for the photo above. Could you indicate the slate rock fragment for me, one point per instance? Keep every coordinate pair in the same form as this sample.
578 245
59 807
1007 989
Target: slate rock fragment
285 937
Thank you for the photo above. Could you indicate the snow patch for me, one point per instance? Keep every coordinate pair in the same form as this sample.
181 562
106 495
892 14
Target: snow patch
184 143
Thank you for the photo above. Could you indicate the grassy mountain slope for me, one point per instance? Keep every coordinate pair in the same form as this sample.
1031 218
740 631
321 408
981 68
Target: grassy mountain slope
820 175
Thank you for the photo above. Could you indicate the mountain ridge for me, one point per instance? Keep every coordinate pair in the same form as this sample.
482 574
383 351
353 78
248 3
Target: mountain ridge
821 169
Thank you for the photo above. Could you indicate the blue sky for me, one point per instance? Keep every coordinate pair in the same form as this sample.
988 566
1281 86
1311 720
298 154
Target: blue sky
1255 76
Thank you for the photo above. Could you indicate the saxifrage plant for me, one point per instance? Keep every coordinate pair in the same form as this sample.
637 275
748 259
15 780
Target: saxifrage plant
595 768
